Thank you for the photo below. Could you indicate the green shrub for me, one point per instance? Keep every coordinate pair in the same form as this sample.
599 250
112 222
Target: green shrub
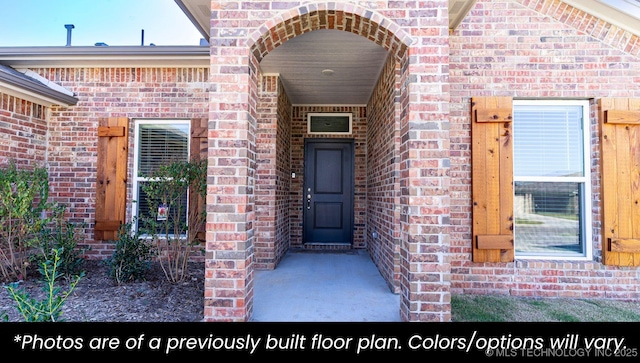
132 257
173 237
49 308
61 236
23 214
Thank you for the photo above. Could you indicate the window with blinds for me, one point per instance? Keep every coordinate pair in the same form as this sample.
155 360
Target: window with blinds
157 143
551 179
161 144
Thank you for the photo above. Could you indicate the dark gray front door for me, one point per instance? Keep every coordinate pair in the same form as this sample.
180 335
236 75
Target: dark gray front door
328 191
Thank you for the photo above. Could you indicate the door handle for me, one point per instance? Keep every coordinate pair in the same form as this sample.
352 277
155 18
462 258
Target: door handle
309 198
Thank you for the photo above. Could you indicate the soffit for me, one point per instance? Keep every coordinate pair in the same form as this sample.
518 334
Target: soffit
326 67
624 14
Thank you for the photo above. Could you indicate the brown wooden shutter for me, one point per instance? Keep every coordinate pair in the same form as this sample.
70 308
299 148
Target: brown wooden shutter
113 150
492 179
199 146
620 180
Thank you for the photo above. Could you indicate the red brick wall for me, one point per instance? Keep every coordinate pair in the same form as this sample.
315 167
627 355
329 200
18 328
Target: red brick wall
534 49
283 174
137 93
383 172
273 174
265 189
23 132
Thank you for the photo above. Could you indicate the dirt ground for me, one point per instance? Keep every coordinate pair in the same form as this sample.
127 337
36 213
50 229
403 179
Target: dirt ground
97 298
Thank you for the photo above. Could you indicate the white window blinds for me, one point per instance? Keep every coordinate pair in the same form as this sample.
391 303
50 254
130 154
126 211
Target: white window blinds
161 144
548 141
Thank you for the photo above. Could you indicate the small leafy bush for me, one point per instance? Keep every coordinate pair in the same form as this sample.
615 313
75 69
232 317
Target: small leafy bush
24 205
62 236
175 238
49 308
132 257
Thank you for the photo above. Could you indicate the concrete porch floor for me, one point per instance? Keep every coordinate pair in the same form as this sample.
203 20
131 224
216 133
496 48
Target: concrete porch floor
324 287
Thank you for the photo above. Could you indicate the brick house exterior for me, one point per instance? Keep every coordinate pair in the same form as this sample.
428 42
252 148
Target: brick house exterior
434 204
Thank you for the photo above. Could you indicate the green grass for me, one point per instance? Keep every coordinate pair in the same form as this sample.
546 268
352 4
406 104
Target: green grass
499 308
481 308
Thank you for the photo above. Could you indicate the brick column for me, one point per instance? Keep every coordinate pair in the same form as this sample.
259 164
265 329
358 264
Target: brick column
424 170
230 199
266 173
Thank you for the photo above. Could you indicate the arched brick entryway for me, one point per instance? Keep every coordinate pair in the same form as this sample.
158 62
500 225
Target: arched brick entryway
236 228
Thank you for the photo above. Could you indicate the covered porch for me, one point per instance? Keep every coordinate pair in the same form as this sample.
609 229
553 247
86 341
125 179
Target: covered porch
328 58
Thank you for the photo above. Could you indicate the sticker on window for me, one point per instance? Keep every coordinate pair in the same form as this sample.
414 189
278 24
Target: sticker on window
163 211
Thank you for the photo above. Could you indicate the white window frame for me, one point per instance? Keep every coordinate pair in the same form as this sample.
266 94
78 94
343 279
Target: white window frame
585 180
339 114
138 179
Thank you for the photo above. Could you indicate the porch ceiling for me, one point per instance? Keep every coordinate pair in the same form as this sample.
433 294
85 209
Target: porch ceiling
356 62
327 67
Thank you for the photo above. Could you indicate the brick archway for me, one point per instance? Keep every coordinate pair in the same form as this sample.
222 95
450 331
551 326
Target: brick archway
269 244
271 215
234 146
330 15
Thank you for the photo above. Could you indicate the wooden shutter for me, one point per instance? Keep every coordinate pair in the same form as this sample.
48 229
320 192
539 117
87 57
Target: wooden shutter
620 180
199 149
492 179
111 196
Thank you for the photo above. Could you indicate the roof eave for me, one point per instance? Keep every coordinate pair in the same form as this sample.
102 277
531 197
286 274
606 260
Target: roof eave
34 92
120 56
606 13
187 11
